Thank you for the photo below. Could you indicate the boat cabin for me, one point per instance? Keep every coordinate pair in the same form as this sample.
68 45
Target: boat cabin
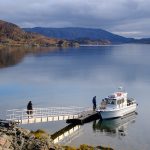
116 100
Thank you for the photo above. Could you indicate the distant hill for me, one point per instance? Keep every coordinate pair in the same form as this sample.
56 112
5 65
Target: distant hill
13 35
79 34
142 41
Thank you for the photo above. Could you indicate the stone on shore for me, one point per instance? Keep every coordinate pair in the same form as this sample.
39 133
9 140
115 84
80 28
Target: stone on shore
17 138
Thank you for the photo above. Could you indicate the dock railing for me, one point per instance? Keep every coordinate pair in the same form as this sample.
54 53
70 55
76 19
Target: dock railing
45 114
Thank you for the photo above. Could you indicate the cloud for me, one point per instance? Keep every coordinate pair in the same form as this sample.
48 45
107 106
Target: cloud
124 16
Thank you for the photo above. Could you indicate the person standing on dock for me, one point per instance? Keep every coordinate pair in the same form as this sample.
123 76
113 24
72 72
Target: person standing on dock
29 109
94 103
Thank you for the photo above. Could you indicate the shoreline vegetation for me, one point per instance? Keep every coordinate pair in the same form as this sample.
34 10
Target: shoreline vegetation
17 138
12 35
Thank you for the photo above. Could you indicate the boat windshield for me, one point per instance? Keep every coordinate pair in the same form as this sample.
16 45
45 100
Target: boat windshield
110 101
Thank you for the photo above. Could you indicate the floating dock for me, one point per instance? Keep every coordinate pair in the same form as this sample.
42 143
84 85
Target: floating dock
84 117
45 114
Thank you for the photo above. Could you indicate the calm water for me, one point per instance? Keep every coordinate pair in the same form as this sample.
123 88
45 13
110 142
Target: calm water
72 76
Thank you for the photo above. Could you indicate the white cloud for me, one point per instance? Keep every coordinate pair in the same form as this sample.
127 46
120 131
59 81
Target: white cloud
126 16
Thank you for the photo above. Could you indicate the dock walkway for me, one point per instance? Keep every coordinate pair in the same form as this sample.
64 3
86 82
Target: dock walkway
84 117
46 114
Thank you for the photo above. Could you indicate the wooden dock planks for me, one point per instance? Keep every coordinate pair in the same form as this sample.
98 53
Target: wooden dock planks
84 117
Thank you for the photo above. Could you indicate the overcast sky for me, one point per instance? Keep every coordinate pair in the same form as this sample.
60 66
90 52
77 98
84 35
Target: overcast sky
130 18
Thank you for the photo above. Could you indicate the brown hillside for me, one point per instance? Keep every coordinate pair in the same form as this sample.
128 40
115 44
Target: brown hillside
13 35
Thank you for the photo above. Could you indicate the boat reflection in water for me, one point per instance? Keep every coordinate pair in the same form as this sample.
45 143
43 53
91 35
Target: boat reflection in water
114 127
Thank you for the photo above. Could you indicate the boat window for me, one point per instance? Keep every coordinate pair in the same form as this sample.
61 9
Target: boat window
111 101
111 96
120 101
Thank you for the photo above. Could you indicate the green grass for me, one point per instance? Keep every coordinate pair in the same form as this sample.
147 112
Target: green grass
40 134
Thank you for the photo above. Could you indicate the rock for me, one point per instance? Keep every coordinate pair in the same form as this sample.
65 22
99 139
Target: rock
5 141
18 138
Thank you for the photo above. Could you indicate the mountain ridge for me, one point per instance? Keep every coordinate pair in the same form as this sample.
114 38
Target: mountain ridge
75 33
13 35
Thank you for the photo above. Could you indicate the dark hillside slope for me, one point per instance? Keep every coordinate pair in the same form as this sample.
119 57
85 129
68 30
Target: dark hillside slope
79 33
13 35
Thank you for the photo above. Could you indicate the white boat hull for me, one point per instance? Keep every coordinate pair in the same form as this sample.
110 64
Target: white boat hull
116 113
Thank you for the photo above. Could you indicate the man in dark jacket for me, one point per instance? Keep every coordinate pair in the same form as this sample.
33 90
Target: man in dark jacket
29 108
94 103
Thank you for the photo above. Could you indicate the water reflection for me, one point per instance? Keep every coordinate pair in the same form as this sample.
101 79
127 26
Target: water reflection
66 134
11 56
114 127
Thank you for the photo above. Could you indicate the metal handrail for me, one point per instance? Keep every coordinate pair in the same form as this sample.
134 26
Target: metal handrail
20 114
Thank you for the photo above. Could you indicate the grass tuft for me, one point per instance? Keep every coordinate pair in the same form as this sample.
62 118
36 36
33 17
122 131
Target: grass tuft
40 134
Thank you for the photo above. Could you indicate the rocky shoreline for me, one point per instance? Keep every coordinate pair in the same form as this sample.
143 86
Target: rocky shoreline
17 138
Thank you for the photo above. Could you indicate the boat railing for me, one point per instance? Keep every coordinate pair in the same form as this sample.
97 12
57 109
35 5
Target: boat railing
130 101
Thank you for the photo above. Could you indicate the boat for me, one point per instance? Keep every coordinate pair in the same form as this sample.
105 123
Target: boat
116 105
